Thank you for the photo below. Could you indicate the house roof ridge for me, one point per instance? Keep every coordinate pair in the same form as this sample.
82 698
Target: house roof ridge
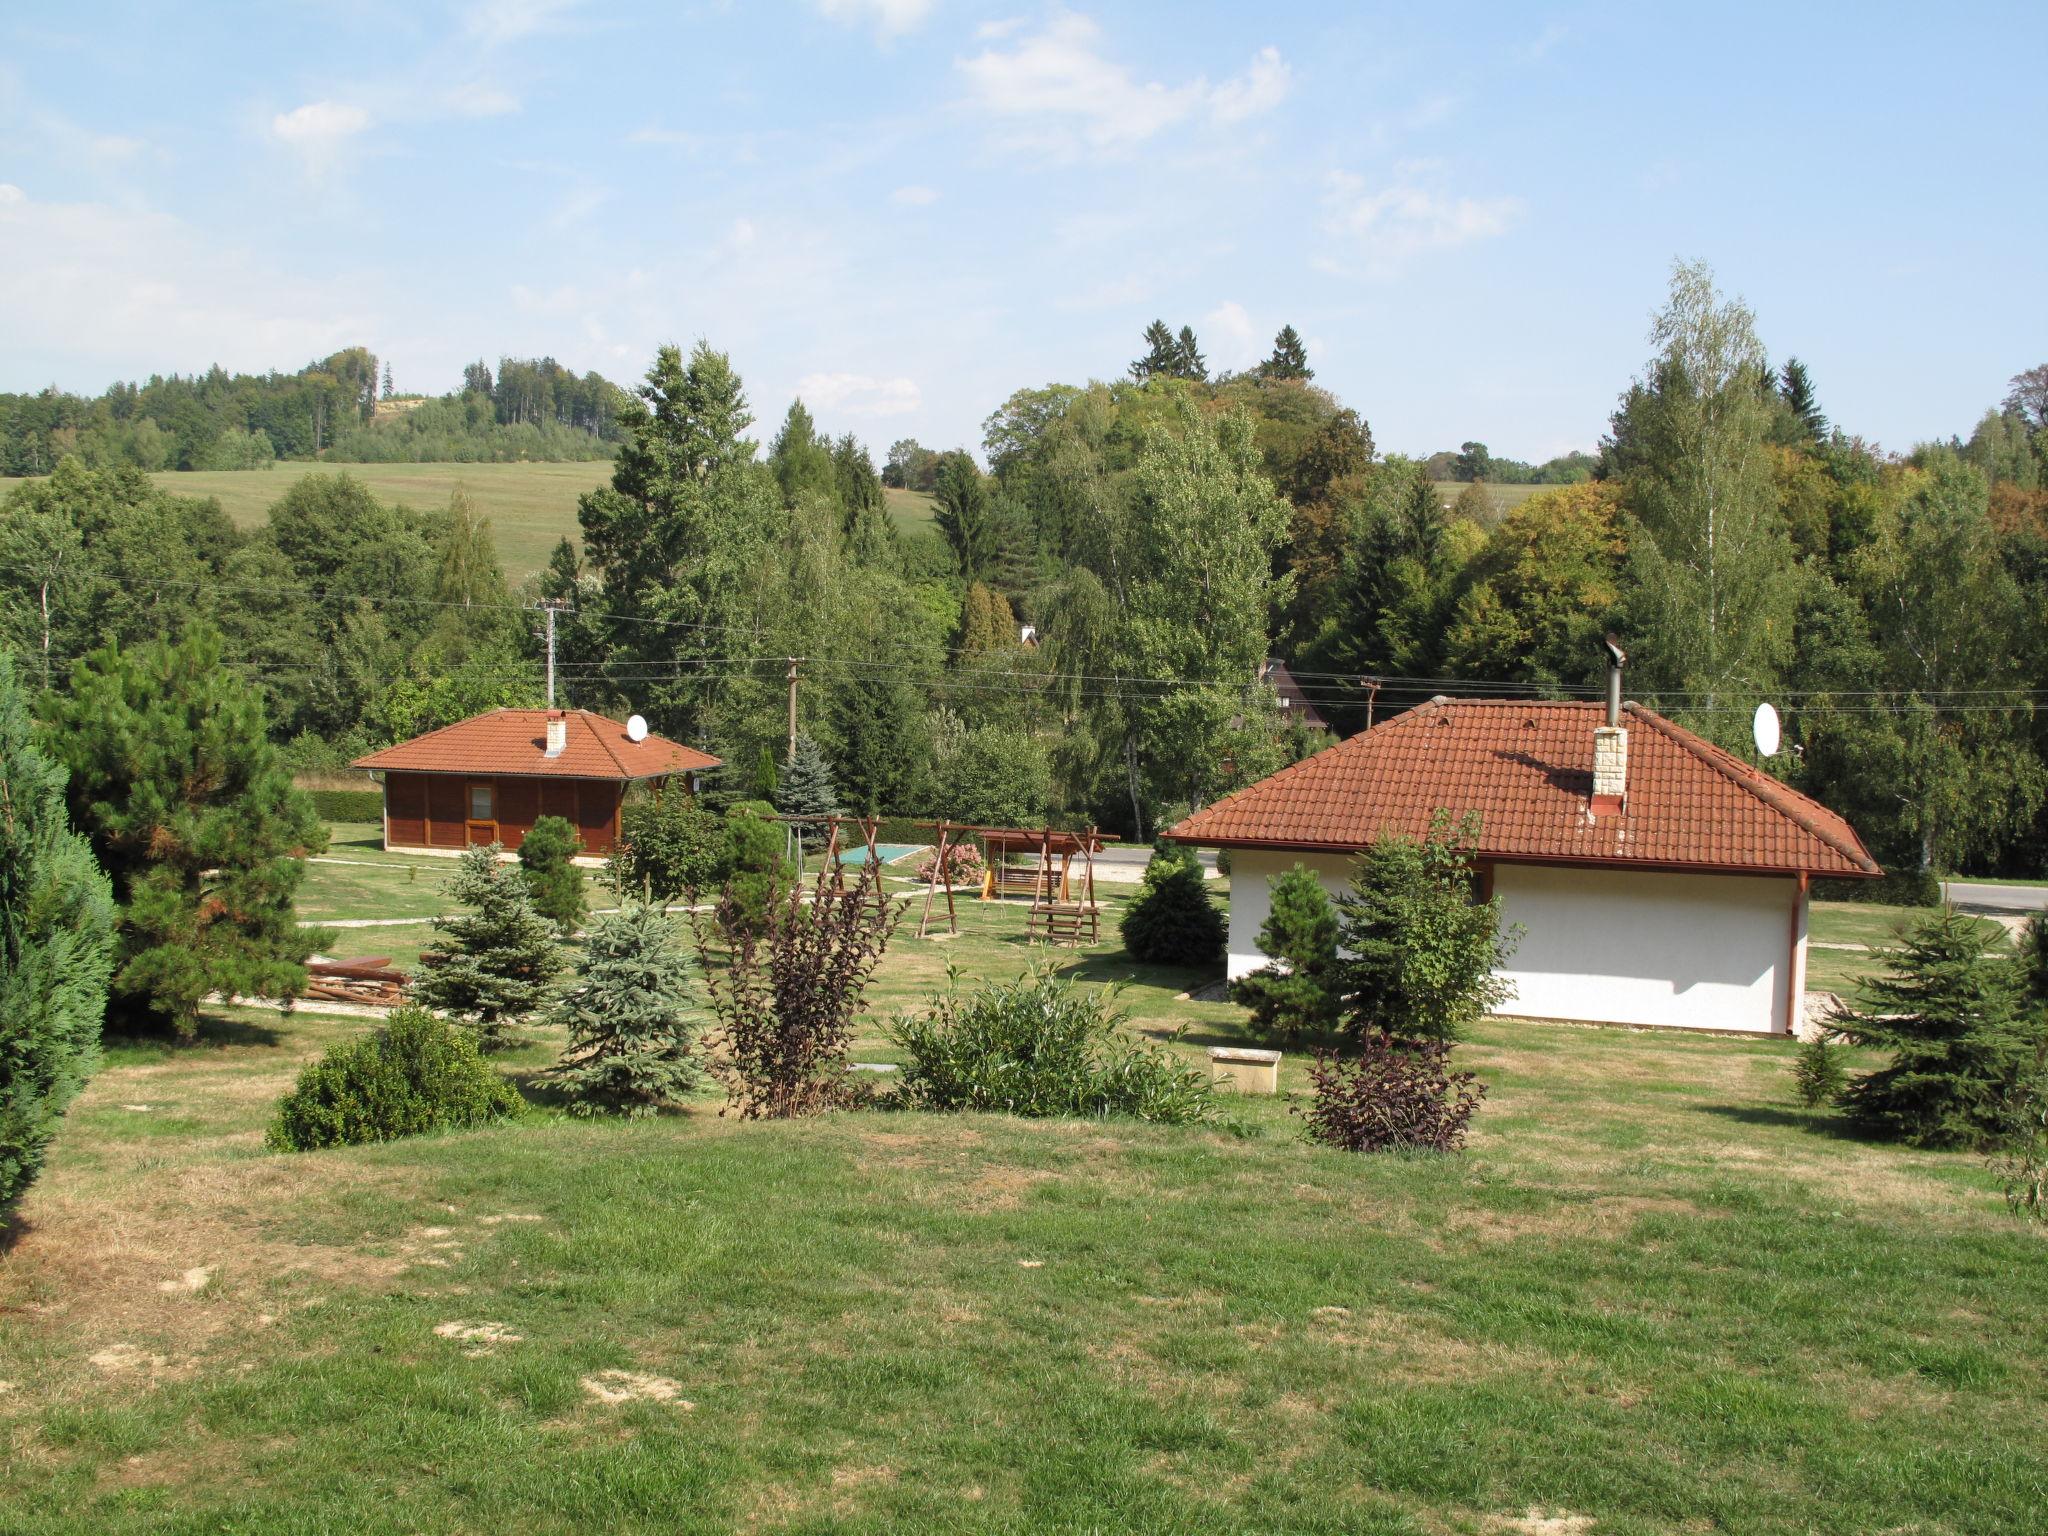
1755 782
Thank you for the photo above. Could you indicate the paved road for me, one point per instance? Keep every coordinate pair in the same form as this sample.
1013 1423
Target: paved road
1976 896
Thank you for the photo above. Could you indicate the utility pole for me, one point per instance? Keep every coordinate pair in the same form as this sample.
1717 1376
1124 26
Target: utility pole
1372 698
794 663
551 607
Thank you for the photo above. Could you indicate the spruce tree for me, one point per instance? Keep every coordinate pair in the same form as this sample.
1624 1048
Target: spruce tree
495 962
192 814
56 948
807 788
1949 1012
1188 362
1797 388
546 858
1289 359
1162 356
627 1017
1299 996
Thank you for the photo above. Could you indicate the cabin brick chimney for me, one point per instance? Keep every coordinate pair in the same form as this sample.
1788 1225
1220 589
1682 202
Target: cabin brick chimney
558 732
1610 742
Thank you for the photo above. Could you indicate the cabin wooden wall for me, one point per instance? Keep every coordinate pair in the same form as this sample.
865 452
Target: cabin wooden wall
431 810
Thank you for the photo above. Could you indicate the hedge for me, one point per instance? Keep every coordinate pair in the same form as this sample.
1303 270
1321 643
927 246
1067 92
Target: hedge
348 804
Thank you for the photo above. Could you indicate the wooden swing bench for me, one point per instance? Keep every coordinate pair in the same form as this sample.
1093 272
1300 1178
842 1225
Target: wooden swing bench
1059 915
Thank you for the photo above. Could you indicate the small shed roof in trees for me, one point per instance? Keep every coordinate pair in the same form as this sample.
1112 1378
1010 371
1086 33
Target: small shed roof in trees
513 742
1526 768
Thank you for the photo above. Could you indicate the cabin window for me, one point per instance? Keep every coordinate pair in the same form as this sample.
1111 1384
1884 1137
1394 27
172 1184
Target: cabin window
480 803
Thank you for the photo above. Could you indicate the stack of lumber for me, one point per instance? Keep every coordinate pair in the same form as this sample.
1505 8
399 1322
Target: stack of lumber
370 981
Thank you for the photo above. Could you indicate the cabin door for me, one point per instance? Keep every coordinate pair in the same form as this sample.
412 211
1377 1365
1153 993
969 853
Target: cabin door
483 813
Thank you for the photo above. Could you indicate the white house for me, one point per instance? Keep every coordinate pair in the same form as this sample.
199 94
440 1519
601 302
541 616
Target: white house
1659 879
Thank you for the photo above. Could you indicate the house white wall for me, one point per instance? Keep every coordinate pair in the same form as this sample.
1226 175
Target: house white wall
1607 946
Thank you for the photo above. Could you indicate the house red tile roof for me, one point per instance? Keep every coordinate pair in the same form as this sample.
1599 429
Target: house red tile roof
514 742
1527 769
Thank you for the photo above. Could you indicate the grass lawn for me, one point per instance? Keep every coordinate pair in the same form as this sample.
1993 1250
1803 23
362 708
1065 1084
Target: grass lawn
910 511
1654 1296
531 506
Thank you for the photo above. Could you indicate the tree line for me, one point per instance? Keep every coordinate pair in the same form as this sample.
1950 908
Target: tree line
1078 634
337 408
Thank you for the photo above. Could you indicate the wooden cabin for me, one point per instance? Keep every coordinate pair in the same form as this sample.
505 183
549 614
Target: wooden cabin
488 779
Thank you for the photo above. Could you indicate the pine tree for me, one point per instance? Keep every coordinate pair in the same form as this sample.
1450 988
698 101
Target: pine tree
546 858
1797 389
1162 356
1299 996
56 948
193 816
966 514
387 380
495 962
1289 359
1188 362
807 788
627 1017
1949 1012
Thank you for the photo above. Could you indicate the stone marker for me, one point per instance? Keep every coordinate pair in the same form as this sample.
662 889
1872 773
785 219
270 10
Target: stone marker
1243 1069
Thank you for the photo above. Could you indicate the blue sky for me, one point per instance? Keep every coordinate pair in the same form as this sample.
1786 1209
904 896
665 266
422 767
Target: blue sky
905 209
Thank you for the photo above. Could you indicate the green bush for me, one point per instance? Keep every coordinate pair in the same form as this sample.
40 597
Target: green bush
348 804
1898 888
1173 920
415 1074
1820 1073
668 849
546 856
758 870
1042 1048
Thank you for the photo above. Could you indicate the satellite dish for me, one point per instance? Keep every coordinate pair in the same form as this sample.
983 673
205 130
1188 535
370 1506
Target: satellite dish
636 727
1764 730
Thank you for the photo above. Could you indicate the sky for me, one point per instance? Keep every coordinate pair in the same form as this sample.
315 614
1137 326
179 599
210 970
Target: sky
904 210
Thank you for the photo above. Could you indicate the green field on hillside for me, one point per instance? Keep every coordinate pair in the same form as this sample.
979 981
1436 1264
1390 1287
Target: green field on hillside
1654 1296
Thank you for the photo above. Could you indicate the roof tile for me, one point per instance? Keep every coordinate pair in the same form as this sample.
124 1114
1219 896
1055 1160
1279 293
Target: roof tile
1527 769
514 742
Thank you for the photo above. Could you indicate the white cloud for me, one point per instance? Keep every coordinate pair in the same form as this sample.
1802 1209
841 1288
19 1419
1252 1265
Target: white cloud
914 197
891 18
507 21
858 394
319 124
1229 337
1002 26
1057 83
479 100
1259 89
10 193
1378 230
670 138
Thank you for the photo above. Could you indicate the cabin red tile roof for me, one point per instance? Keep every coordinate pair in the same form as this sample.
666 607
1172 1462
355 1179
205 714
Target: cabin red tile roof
514 742
1527 769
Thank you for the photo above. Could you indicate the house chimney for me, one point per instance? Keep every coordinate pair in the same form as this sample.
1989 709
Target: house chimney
1610 742
558 732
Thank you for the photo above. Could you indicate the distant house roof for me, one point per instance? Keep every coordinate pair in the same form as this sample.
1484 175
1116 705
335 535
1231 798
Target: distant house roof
1527 770
1292 699
513 742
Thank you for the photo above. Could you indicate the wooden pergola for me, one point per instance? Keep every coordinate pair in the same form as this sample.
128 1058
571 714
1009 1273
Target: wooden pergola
1057 915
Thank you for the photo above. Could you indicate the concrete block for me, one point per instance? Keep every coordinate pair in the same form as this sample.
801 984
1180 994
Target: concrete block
1244 1070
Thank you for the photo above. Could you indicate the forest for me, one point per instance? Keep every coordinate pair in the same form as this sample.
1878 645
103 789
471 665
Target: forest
340 408
1079 635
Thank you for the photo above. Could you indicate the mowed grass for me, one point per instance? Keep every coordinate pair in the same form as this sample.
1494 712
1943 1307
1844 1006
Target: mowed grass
1654 1296
531 506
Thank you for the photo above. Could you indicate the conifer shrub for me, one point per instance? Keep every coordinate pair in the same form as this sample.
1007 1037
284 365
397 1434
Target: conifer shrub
1950 1014
56 948
1298 995
1042 1048
627 1017
1819 1073
416 1074
1393 1096
759 873
496 962
546 860
1173 920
